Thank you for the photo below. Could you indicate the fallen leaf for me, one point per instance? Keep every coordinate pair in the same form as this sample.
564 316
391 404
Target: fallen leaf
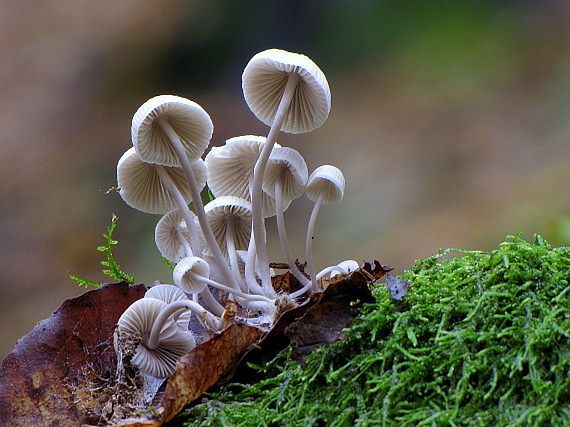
46 379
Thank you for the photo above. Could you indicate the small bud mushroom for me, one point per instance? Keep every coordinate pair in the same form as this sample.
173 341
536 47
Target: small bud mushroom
325 185
288 92
285 177
192 274
172 130
152 322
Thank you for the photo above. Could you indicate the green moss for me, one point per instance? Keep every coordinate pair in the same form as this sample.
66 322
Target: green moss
480 339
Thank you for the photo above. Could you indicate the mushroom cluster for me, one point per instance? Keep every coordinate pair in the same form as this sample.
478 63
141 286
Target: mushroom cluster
219 249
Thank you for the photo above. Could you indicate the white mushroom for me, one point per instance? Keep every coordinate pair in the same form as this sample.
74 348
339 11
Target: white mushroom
230 219
153 188
168 294
287 91
173 239
325 185
342 268
157 117
154 356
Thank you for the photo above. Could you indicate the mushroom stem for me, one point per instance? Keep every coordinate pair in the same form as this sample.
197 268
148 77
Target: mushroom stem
174 309
179 199
250 278
283 232
256 190
310 238
232 254
197 199
212 303
309 249
230 290
187 249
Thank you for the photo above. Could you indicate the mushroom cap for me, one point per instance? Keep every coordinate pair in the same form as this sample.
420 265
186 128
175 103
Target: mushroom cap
264 79
189 120
290 163
229 208
141 187
329 180
183 274
230 170
138 320
167 238
168 294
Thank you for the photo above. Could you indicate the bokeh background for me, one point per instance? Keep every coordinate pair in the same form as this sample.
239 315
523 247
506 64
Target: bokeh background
450 120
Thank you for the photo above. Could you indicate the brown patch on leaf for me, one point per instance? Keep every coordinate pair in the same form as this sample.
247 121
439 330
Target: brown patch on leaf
49 378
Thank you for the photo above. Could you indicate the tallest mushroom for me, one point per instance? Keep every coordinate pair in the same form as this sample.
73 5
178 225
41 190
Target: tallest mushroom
290 93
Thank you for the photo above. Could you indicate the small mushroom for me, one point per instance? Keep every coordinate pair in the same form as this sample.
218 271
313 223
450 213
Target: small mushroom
163 115
230 219
325 186
173 239
153 188
343 268
148 317
286 91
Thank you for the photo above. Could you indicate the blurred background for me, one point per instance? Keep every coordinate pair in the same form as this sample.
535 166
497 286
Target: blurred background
450 121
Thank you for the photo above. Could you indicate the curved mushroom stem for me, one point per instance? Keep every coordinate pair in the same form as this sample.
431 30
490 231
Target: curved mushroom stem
330 269
173 310
250 279
283 233
197 199
310 237
256 192
230 290
181 203
309 249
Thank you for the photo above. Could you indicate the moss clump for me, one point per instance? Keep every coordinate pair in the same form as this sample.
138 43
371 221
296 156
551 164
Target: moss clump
479 340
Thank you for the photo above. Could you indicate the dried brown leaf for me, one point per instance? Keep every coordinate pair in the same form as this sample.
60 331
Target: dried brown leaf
48 379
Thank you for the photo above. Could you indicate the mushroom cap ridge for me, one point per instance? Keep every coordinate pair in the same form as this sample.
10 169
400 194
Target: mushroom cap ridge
188 119
263 82
141 187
